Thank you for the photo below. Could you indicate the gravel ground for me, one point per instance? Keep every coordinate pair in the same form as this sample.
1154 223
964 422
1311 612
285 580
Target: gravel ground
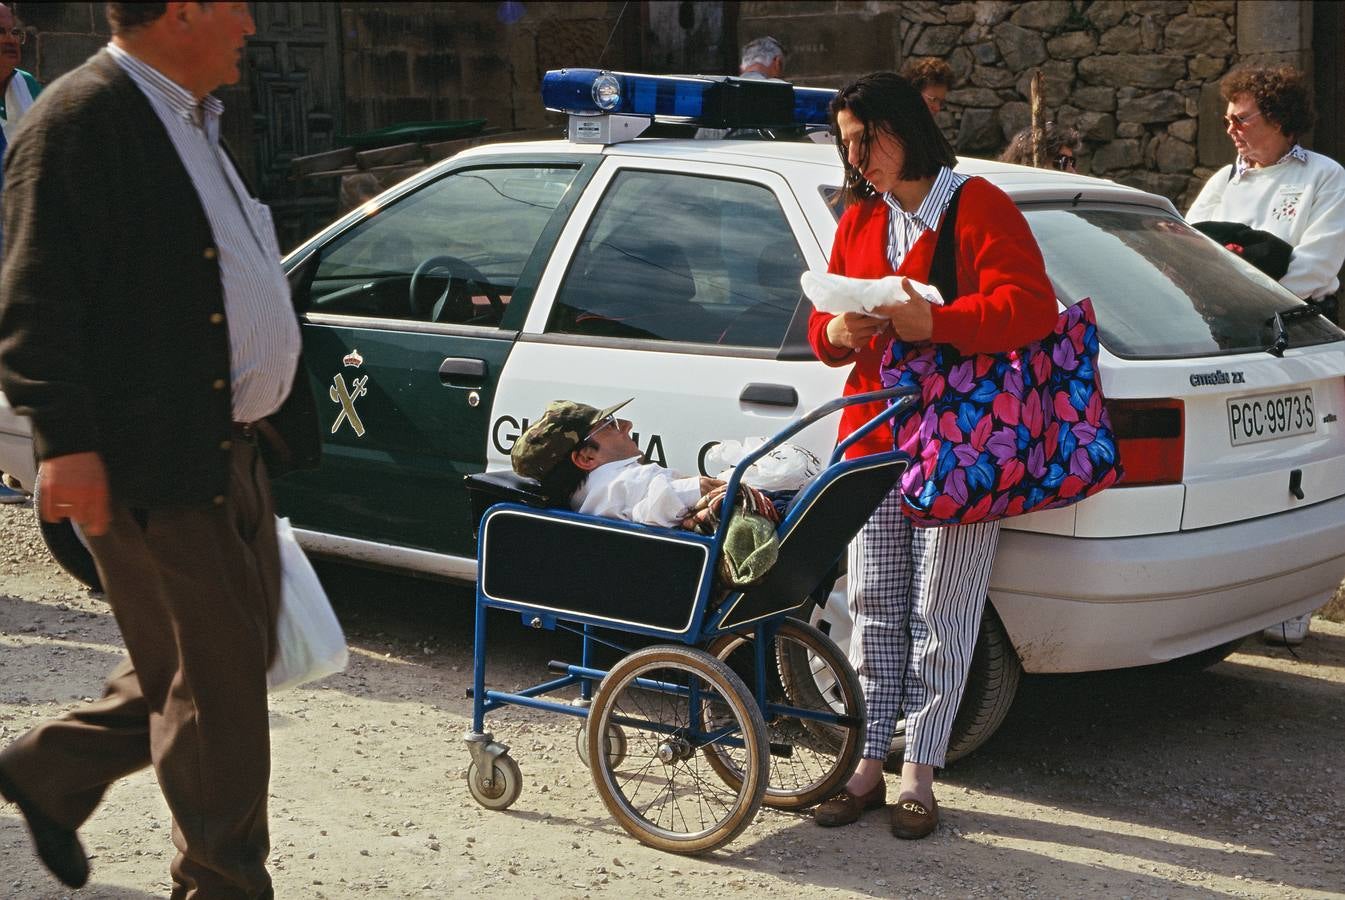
1146 783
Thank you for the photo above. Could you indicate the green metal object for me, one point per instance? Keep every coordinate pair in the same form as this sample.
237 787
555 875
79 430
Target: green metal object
407 132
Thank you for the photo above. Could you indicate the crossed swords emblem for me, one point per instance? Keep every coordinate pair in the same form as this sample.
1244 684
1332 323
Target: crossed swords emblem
339 394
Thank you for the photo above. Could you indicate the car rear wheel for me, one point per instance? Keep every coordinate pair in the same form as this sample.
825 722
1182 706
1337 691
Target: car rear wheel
991 682
66 545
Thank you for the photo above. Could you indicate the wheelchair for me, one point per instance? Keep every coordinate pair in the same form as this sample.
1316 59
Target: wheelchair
739 704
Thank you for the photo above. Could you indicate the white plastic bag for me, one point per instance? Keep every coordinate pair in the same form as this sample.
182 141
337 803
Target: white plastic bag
838 294
309 641
787 467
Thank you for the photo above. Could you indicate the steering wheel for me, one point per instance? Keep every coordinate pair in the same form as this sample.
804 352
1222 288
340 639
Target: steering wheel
460 276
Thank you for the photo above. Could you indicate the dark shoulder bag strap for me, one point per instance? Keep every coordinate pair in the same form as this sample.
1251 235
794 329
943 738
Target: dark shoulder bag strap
943 269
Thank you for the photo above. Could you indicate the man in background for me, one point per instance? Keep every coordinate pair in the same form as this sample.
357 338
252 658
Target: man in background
154 347
762 58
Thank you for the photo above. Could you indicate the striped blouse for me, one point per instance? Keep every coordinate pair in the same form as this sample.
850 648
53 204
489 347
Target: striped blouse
904 229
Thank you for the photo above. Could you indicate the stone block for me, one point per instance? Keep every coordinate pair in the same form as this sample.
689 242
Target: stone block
1151 34
974 96
1096 126
1173 155
1120 39
1184 130
1189 34
1095 97
985 53
992 12
1130 130
991 77
1013 118
1157 7
1162 106
1105 14
937 40
1213 146
1270 27
1041 15
1117 154
1057 82
59 53
1071 45
1206 68
925 11
1020 47
962 63
1143 70
978 131
960 13
1213 7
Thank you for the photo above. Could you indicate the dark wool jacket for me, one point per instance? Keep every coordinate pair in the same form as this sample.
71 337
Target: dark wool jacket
112 329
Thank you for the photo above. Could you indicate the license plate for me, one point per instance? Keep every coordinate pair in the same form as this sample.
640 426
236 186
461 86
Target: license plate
1267 417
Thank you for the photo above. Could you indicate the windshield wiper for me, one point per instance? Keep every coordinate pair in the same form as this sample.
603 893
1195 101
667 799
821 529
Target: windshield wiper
1307 310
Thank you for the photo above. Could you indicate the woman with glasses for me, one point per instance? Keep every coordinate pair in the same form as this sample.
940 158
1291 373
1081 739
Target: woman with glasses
932 77
1278 187
1061 145
916 594
18 89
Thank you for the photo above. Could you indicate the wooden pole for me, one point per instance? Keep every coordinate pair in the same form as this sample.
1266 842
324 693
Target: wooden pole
1038 122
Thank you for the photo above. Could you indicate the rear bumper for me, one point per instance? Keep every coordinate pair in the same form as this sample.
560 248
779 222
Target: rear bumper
1076 605
16 445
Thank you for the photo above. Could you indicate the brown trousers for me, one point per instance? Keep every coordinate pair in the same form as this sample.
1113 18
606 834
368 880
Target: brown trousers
195 592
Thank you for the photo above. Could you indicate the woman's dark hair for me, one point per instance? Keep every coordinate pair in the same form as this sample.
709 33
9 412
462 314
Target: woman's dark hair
564 478
1053 138
1279 93
887 103
124 17
923 71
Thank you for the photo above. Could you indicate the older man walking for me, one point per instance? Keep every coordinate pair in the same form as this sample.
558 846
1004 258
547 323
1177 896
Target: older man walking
146 327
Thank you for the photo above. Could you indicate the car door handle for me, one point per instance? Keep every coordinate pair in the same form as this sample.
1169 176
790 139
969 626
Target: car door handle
455 370
770 395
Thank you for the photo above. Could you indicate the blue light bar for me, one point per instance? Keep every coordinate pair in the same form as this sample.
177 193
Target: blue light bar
705 100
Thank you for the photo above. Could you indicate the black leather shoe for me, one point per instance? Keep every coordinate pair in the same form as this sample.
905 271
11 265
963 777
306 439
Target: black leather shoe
57 846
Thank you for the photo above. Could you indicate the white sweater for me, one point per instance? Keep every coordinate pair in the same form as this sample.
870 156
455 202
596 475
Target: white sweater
1302 203
637 492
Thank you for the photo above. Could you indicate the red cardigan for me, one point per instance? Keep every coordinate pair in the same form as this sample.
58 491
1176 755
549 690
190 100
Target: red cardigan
1009 301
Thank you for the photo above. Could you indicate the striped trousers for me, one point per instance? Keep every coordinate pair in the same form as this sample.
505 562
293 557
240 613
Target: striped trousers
916 596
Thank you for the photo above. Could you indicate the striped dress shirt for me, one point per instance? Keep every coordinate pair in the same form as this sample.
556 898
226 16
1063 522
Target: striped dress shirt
904 229
263 330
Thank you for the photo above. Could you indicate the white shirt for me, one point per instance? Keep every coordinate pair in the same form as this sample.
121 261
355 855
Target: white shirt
1300 199
633 491
263 330
904 229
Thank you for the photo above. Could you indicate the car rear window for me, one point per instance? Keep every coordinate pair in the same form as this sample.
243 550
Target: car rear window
1163 290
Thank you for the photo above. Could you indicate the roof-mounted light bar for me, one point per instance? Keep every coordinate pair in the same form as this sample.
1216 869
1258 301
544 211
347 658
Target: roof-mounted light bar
708 101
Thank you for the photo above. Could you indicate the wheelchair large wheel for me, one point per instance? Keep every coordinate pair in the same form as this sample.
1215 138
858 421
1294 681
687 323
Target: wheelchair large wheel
810 760
662 790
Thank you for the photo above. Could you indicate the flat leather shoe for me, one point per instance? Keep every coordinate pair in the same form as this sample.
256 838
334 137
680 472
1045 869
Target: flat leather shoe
845 808
57 846
911 820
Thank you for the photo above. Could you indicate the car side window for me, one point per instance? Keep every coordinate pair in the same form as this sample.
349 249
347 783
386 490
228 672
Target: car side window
451 252
673 257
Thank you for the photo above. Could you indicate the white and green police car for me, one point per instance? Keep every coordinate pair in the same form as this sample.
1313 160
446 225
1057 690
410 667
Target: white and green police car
439 317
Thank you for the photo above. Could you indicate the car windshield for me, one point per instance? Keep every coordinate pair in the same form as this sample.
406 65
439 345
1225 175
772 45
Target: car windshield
1163 290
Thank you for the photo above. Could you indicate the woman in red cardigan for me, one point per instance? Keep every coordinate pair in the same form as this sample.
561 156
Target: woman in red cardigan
916 594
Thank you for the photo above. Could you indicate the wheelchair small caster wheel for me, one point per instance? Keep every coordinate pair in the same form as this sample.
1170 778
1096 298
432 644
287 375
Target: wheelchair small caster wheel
616 744
506 783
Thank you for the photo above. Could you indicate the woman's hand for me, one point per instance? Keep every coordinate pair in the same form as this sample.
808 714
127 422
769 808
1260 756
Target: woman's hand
911 319
854 330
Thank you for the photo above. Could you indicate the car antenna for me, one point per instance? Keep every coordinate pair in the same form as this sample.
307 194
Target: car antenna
612 33
1077 198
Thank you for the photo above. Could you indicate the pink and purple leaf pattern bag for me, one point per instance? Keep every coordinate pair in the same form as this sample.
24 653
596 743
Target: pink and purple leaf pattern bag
1004 434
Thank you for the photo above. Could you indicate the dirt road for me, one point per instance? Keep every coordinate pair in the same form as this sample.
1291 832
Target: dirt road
1229 782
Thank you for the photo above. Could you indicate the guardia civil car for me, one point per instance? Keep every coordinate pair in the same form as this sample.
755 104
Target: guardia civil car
442 315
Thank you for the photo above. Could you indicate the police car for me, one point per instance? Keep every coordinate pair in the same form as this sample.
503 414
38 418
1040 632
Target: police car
439 317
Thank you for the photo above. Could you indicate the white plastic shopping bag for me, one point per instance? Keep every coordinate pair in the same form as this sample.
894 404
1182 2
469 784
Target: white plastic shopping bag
838 294
309 641
787 467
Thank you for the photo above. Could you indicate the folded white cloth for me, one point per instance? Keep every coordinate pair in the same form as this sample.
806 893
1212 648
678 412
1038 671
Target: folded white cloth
839 294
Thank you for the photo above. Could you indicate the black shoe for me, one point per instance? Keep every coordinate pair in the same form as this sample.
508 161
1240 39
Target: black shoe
57 846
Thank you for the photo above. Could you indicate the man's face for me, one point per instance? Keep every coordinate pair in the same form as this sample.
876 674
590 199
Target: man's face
1254 137
9 45
613 440
215 42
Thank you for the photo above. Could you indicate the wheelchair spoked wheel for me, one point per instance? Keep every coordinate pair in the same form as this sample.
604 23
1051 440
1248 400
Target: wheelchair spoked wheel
810 760
662 790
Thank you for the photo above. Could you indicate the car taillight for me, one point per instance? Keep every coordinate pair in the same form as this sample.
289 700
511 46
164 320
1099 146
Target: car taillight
1149 439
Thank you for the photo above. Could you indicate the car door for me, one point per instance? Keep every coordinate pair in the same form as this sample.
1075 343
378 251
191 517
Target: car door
410 314
676 283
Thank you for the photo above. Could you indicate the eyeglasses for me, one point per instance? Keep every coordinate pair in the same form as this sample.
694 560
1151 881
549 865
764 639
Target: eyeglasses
608 421
18 34
1066 163
1240 122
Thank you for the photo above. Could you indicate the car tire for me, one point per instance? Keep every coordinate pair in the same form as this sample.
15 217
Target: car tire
992 680
66 545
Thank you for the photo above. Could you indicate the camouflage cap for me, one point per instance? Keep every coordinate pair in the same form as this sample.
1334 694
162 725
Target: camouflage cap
554 435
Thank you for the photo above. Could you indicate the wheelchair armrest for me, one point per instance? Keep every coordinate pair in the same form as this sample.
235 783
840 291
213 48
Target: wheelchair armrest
485 489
